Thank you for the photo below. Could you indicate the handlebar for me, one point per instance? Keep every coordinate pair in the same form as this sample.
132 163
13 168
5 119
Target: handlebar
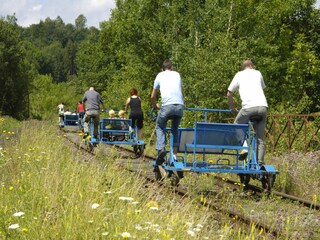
154 115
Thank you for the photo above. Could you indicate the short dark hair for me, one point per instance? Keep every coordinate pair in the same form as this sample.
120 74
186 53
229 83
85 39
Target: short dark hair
133 91
167 64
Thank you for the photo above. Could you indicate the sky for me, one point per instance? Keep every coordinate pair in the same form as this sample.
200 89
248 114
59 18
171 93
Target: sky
32 11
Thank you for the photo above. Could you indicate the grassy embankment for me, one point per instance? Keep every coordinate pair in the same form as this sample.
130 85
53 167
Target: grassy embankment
48 192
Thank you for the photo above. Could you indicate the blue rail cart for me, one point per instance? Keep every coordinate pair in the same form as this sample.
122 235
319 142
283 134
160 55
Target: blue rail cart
71 120
215 147
116 131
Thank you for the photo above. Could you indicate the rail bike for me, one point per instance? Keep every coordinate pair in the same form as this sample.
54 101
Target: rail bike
116 131
215 147
71 120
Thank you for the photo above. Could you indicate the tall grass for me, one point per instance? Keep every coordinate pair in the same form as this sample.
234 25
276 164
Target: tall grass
49 192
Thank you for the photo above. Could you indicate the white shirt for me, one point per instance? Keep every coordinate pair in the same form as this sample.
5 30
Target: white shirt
61 109
250 84
170 85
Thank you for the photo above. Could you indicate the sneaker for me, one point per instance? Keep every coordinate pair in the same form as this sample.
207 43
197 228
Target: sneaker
243 155
161 157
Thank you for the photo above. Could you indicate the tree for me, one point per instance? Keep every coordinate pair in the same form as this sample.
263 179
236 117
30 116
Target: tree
16 73
80 22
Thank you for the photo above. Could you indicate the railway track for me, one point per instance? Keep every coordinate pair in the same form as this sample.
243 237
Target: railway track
143 167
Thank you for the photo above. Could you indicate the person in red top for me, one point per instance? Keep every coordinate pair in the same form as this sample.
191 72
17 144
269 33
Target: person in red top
80 111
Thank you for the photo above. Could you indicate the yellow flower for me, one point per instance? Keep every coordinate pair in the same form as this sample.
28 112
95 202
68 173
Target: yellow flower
126 235
10 188
153 204
24 230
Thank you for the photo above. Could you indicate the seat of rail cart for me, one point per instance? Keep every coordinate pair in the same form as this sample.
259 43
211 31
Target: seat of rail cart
212 138
115 129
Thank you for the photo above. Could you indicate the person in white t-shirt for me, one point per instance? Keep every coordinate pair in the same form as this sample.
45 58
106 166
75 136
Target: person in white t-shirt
251 87
172 105
60 108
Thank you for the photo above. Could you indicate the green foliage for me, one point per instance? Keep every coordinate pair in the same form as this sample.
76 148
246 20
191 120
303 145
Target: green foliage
207 41
16 72
46 96
57 45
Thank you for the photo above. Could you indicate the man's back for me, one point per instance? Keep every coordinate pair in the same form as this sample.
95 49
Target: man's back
170 85
92 100
250 84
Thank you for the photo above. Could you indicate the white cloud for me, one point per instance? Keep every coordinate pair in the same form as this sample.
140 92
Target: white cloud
37 8
32 11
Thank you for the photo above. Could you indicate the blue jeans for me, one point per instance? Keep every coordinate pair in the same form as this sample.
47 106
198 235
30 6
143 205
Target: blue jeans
244 116
173 112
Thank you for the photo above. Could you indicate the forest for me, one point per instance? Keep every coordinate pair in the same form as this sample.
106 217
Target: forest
52 62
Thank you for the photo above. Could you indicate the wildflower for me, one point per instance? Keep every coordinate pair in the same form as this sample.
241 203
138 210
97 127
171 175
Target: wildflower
18 214
137 211
189 224
152 204
199 225
191 233
105 233
126 198
138 227
10 188
95 206
108 192
154 208
14 226
134 203
126 235
24 229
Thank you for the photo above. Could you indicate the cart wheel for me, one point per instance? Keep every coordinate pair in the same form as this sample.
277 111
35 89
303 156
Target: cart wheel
174 179
244 178
138 150
267 181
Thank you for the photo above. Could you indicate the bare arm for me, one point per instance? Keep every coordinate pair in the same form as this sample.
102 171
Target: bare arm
231 101
154 99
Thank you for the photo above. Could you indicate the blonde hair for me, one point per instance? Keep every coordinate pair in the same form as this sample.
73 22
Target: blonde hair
121 113
111 112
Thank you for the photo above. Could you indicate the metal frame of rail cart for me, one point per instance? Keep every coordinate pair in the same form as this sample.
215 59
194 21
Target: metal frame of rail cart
71 120
116 131
215 147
